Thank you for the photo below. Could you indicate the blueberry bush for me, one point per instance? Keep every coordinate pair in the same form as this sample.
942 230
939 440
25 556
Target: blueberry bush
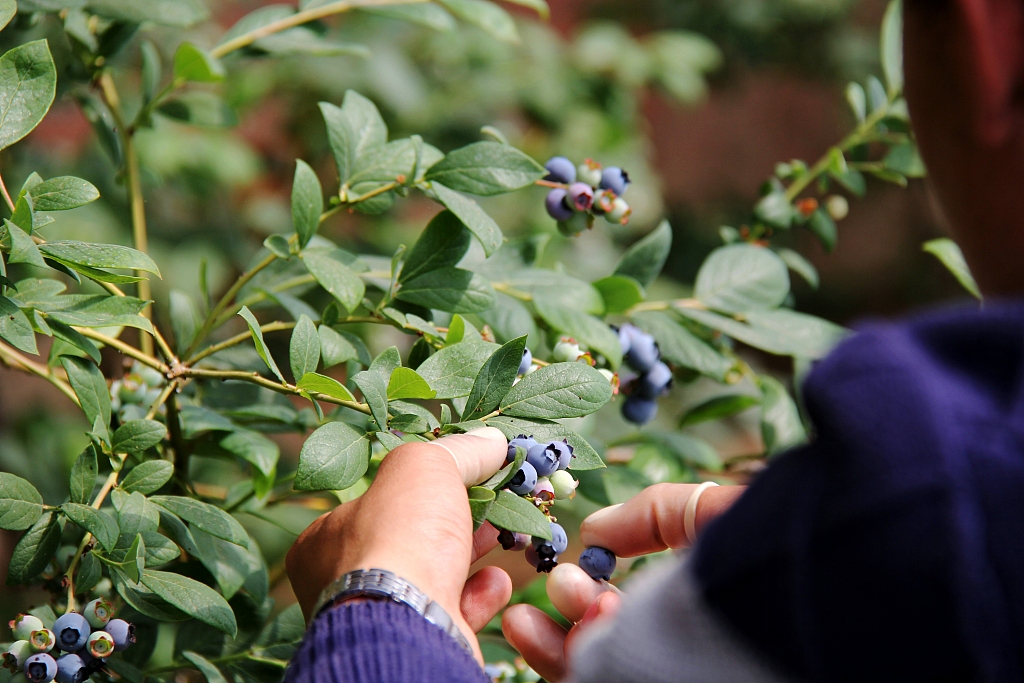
178 452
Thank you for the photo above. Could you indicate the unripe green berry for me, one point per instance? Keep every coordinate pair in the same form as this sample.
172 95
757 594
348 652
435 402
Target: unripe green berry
100 644
98 612
563 484
23 626
19 677
566 351
589 172
42 640
580 221
619 213
17 653
837 206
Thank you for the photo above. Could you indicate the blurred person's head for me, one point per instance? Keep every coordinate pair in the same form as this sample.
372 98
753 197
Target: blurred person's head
964 64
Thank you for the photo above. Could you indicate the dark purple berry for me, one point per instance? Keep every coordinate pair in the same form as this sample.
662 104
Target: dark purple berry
72 631
643 351
507 539
639 410
558 543
597 562
614 179
557 204
522 441
122 632
543 560
524 365
655 382
524 480
560 170
71 669
40 668
544 458
581 196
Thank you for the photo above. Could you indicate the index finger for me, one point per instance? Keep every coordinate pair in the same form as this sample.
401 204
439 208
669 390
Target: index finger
652 520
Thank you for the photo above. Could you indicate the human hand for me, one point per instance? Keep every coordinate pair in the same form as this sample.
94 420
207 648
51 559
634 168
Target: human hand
414 521
648 523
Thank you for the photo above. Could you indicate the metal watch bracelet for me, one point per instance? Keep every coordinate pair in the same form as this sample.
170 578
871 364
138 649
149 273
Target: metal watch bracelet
381 583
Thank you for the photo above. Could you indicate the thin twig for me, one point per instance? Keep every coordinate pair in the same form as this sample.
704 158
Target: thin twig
256 378
15 360
124 348
7 196
238 339
96 504
161 399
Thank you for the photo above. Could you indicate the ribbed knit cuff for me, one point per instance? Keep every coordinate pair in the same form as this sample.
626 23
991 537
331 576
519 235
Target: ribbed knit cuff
379 641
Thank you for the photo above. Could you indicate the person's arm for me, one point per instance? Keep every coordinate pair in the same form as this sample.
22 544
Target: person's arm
415 522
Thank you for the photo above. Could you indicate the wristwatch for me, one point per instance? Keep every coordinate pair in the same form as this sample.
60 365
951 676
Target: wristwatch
381 583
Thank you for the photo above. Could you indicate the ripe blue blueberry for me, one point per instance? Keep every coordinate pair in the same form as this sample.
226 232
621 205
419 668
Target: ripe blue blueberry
560 170
40 668
71 669
655 382
559 541
598 562
615 179
581 196
523 481
544 458
122 632
565 453
522 441
643 351
524 365
72 631
557 204
639 410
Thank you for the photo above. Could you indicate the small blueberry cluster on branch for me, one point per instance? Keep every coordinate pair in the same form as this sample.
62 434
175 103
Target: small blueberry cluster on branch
653 379
581 193
75 648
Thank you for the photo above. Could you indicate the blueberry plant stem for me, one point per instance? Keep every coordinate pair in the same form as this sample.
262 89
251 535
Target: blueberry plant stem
16 361
161 399
69 575
126 349
255 378
7 195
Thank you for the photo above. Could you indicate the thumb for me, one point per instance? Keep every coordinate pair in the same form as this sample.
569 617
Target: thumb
478 454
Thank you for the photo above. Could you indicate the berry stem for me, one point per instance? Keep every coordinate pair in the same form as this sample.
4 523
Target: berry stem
97 502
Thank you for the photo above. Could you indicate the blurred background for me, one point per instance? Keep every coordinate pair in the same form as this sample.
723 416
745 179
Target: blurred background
698 99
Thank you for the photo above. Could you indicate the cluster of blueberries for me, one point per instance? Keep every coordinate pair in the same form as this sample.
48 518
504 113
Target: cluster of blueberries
543 478
653 378
583 192
36 655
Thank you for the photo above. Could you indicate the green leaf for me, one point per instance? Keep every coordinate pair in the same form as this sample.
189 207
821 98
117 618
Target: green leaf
15 327
334 348
199 108
307 202
197 66
138 435
8 8
409 424
21 506
718 408
376 394
824 228
148 477
28 84
852 180
210 519
392 163
182 13
75 338
857 99
135 514
427 14
558 390
185 319
502 477
129 561
228 563
449 289
254 448
23 248
386 362
151 71
584 328
905 160
775 210
261 345
644 260
485 169
512 513
494 380
801 266
99 310
620 292
781 426
89 573
480 501
90 387
193 598
321 384
330 270
487 16
892 47
99 524
476 220
35 549
681 347
99 256
948 252
159 549
83 475
353 129
452 371
333 458
304 349
741 277
688 450
209 671
442 245
406 383
782 332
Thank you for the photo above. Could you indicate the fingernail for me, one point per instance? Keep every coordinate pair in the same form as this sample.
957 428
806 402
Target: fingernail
601 514
492 433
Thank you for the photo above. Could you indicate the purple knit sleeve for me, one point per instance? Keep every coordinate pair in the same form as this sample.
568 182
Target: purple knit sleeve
379 641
